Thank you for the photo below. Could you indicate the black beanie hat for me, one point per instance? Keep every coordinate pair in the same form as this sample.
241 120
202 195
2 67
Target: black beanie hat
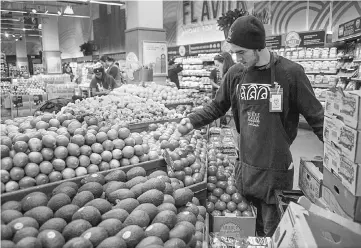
247 32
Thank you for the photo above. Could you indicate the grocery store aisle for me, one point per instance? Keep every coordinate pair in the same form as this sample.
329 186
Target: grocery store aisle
306 145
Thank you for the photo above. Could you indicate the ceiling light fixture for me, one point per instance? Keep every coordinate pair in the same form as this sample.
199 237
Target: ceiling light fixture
40 26
59 11
16 39
24 29
14 35
106 3
6 35
14 11
46 10
69 10
33 10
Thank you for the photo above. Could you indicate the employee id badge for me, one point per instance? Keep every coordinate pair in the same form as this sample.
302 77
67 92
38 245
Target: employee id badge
276 99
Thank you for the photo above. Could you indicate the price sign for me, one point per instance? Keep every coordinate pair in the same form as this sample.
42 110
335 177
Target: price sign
168 160
18 101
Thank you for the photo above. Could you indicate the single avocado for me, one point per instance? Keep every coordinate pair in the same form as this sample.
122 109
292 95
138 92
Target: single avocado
28 242
95 235
127 204
12 205
137 217
25 232
120 194
75 229
157 174
66 184
182 196
89 213
78 242
66 212
182 232
82 198
112 242
153 196
189 225
148 241
167 206
137 190
7 244
166 217
136 180
71 192
136 172
95 177
175 243
23 222
112 226
159 230
102 205
154 183
187 216
117 213
117 175
57 224
132 235
34 199
41 214
95 188
58 201
113 186
9 215
6 232
149 208
51 239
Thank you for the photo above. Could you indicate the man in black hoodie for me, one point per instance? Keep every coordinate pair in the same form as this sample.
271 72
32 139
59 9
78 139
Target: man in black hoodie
267 94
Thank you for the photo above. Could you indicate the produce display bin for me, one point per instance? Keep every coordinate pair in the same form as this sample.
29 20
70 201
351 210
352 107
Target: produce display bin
174 105
18 195
284 197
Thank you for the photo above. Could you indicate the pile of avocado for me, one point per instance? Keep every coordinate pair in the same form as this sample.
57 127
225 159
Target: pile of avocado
119 210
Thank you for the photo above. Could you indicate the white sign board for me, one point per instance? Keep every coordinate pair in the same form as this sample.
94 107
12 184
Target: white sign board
155 54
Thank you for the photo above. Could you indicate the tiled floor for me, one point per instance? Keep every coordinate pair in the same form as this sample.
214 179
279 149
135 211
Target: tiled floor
306 145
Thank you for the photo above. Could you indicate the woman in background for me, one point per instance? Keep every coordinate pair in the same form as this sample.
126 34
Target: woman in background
173 70
223 62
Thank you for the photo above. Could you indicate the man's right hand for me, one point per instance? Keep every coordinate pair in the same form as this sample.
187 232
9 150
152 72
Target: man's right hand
185 126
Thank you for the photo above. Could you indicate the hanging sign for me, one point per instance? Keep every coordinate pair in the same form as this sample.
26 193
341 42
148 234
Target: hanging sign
313 39
293 39
274 42
178 51
350 29
209 47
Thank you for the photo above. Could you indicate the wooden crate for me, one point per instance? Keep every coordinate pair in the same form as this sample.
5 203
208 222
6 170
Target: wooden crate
18 195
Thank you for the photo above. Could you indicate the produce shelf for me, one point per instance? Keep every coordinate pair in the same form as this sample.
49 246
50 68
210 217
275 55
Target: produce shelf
48 188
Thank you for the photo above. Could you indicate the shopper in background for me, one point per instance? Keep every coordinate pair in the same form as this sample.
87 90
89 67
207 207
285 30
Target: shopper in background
267 94
102 83
223 62
173 70
112 69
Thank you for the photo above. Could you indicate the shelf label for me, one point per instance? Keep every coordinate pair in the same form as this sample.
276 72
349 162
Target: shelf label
209 47
350 28
178 51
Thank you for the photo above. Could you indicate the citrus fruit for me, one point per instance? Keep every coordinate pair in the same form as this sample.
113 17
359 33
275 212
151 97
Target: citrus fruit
68 173
101 137
35 157
20 159
81 171
123 133
32 169
84 161
78 139
61 152
20 146
35 145
62 140
92 168
72 162
6 163
17 173
86 150
59 164
73 149
55 176
90 139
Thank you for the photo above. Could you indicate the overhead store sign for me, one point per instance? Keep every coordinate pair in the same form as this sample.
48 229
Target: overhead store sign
293 39
274 42
350 29
209 47
178 51
305 39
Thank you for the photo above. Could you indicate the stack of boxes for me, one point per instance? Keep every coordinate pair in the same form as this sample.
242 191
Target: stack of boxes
341 189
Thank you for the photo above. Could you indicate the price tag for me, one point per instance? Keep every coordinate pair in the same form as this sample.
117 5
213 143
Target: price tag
168 160
18 101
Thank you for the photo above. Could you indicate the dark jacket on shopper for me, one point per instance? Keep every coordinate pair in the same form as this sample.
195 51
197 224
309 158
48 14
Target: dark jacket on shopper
173 74
107 82
265 137
114 71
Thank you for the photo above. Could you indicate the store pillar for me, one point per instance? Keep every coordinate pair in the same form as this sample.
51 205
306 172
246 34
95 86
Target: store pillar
144 23
21 52
51 48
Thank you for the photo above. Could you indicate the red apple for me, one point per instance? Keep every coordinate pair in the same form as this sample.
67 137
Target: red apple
231 206
225 198
211 187
220 205
237 198
212 198
210 207
242 206
231 190
218 192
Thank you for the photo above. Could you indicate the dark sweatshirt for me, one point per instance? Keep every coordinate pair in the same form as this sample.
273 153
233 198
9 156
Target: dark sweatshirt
106 81
298 96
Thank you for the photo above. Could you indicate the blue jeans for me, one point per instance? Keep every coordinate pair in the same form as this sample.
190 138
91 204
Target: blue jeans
267 217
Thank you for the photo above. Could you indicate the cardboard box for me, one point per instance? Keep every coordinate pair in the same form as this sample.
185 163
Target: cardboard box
350 143
310 179
351 109
234 226
333 103
331 129
309 226
348 203
331 157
